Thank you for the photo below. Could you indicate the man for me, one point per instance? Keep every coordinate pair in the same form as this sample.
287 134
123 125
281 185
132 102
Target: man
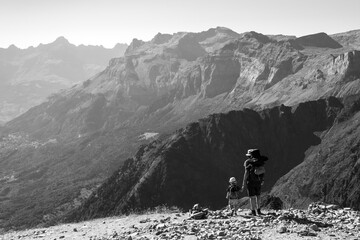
254 179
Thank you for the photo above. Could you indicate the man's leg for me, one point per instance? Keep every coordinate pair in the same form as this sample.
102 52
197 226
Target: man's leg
258 205
253 205
257 202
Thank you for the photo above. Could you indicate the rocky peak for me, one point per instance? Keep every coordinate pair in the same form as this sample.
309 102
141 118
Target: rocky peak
61 40
321 40
161 38
261 38
212 32
135 43
12 47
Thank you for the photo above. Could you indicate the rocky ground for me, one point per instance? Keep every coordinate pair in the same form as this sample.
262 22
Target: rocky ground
319 221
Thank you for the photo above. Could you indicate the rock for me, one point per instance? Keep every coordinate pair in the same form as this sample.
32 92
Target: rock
282 229
315 228
190 237
165 220
307 233
272 202
145 220
332 207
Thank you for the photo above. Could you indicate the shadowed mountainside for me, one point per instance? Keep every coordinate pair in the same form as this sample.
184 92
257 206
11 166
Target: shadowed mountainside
330 171
194 163
321 40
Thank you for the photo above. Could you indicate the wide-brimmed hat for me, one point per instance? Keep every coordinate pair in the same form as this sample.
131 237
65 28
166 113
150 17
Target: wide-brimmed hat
232 180
253 152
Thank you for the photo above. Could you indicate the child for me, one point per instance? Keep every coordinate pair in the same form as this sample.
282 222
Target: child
233 195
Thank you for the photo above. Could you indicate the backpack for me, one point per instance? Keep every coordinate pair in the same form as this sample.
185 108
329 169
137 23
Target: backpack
259 170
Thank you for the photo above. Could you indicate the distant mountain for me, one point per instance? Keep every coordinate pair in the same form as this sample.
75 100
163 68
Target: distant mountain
29 76
349 39
57 153
321 40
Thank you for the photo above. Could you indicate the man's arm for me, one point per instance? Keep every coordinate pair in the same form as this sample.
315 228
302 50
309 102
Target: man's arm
244 179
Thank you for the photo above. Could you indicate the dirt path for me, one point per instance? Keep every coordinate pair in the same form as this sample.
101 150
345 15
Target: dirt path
286 224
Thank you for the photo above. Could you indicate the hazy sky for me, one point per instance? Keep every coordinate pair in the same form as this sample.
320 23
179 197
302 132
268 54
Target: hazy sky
106 22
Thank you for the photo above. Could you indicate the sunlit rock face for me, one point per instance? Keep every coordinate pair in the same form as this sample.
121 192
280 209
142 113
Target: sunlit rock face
29 76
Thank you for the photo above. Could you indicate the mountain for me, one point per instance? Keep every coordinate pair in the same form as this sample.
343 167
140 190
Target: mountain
321 40
194 163
57 153
29 76
335 163
349 39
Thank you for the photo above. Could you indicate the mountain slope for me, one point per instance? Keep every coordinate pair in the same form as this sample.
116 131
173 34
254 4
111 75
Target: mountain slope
28 76
194 163
350 39
331 170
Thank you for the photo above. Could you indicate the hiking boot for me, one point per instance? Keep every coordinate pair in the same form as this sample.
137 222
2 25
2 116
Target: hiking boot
252 213
259 212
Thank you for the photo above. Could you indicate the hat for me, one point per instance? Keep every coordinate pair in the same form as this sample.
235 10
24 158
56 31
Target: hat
196 206
232 180
252 152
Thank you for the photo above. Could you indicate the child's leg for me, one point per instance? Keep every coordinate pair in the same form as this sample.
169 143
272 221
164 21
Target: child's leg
236 207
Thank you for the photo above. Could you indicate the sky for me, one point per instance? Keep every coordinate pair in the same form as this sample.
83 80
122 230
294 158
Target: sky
27 23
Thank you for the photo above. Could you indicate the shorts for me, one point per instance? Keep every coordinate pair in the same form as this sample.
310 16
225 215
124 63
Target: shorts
254 189
234 203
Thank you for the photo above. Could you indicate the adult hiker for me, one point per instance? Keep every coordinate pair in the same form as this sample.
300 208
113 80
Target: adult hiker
254 178
233 196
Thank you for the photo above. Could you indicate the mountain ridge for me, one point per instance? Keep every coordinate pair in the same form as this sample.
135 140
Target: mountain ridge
28 76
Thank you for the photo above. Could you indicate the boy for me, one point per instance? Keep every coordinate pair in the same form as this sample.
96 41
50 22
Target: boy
233 195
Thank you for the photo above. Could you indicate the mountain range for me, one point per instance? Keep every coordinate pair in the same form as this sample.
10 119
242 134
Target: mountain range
141 116
28 76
